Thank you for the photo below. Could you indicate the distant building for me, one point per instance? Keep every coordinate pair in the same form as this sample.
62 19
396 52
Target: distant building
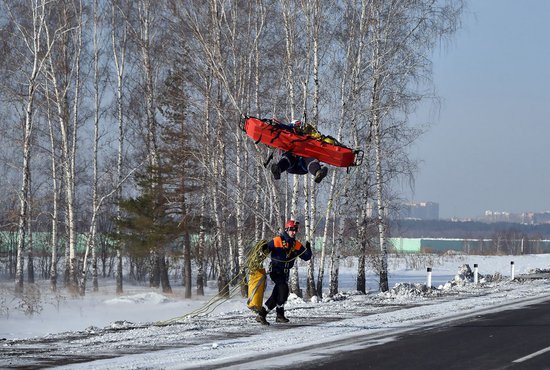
420 211
541 217
529 218
498 216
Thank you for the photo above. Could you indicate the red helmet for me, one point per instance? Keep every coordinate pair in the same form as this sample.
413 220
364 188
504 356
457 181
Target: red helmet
291 224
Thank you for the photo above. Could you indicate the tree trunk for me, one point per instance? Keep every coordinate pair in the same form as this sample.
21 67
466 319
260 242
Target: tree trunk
334 264
187 273
164 278
241 192
362 223
119 57
322 259
381 217
30 257
24 198
37 56
187 278
220 221
200 248
154 269
309 236
70 48
54 216
95 185
90 242
361 277
208 157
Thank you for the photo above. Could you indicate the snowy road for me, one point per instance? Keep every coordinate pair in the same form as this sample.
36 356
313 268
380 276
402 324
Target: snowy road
100 331
512 339
124 338
235 340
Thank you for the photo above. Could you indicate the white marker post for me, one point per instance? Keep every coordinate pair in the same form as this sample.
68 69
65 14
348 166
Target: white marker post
429 283
475 273
512 270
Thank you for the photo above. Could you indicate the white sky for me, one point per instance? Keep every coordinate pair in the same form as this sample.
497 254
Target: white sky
488 148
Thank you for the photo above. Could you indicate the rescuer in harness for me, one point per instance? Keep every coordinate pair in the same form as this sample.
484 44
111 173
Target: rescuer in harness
295 164
284 249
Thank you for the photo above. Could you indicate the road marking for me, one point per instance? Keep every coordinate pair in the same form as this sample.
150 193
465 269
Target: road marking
535 354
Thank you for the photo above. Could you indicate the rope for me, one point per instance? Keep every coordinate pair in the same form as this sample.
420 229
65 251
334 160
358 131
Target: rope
254 260
256 256
209 306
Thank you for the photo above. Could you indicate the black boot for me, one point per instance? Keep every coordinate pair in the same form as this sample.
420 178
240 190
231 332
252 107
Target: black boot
281 315
262 313
276 171
320 174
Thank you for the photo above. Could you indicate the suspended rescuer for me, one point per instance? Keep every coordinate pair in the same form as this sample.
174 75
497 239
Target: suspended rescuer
284 249
296 164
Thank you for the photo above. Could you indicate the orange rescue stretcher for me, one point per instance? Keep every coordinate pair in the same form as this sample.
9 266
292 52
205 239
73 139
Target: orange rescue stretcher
324 148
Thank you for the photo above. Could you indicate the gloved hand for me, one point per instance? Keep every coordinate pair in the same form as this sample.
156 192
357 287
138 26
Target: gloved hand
263 246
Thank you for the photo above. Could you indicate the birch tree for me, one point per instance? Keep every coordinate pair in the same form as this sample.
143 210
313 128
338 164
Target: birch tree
55 191
119 40
315 17
402 35
97 90
100 69
34 53
144 37
217 34
65 81
145 21
293 56
346 59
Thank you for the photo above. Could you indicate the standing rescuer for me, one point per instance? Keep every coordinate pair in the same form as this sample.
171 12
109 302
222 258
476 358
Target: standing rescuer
284 250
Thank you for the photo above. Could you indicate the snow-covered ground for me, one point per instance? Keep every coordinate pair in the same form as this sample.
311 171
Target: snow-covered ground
146 329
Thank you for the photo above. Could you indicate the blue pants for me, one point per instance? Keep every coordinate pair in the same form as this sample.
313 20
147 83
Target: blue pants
298 165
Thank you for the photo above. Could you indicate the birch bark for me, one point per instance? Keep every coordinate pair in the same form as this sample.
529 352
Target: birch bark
39 51
119 39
